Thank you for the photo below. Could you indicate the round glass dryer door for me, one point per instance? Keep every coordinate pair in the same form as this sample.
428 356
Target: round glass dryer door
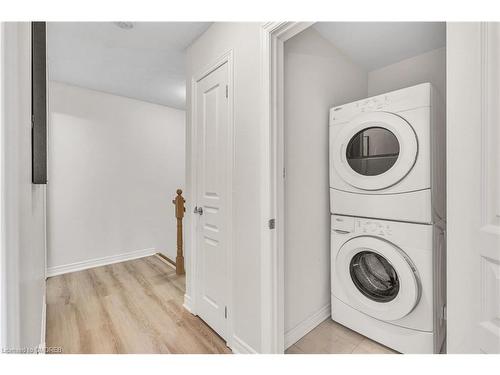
372 151
378 278
375 150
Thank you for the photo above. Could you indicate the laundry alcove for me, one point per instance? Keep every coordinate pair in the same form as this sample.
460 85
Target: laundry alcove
327 65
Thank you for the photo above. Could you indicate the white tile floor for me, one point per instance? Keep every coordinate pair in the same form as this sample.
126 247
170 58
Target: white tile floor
332 338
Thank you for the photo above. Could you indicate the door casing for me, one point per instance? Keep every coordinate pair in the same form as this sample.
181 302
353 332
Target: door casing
273 38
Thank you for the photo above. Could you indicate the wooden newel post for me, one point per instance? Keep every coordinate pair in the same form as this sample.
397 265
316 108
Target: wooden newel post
179 214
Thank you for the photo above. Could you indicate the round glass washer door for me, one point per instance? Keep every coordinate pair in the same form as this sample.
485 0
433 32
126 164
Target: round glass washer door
378 278
374 276
375 150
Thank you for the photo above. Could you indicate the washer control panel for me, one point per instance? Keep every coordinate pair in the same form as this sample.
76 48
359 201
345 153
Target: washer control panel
342 224
373 227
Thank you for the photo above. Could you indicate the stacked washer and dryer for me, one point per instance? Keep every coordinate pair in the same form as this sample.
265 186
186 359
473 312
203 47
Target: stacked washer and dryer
388 206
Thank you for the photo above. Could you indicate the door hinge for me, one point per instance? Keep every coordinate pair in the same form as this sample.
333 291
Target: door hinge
272 223
284 172
227 91
225 312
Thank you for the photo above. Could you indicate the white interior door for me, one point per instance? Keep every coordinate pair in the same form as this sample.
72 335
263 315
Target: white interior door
213 141
473 186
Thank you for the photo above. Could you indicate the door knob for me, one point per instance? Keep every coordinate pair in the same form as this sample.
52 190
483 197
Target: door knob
198 210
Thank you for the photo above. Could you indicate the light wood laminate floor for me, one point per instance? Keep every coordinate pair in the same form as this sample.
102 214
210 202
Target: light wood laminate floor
332 338
128 307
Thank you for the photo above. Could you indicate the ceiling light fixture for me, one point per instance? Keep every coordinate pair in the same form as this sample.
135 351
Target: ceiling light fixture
124 25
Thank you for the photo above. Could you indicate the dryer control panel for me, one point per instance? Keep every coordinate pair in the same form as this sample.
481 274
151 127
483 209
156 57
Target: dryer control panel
394 101
376 103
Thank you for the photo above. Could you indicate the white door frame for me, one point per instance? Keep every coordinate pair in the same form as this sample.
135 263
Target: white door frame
193 266
15 108
473 224
273 37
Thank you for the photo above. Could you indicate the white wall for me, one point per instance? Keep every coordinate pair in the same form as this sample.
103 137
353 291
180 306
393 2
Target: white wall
114 166
244 40
427 67
23 204
317 77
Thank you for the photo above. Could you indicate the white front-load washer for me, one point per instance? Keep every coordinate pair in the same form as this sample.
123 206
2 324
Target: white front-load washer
387 156
384 282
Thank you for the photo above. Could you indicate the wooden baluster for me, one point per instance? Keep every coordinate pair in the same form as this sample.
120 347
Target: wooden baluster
179 214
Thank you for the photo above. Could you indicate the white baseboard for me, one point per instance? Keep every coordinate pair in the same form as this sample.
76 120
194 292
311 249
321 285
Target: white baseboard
306 326
188 304
91 263
238 346
164 260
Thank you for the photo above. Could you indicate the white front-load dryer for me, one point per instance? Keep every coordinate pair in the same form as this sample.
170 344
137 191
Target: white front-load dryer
383 285
387 156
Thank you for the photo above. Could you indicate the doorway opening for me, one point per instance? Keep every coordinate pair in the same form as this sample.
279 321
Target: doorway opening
315 69
116 162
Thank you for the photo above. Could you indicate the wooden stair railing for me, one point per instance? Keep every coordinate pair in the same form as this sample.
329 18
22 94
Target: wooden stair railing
179 214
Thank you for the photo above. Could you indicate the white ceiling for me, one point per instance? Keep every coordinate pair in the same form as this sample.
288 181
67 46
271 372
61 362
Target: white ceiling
146 62
373 45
